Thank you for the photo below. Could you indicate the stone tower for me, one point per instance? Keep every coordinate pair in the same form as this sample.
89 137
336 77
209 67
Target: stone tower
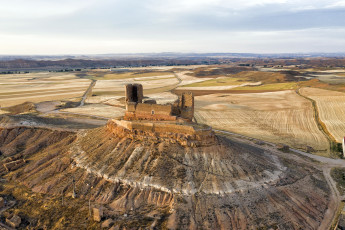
186 105
134 93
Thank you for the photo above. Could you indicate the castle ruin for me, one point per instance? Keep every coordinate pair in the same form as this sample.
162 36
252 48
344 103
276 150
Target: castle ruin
144 119
137 109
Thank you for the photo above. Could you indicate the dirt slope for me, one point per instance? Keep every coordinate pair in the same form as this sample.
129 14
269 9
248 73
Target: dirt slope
223 186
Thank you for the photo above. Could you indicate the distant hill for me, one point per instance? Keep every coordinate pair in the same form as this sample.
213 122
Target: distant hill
54 63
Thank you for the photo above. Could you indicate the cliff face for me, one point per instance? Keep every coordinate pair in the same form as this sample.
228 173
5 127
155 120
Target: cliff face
226 185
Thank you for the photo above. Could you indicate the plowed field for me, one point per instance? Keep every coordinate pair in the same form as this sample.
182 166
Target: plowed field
331 106
280 117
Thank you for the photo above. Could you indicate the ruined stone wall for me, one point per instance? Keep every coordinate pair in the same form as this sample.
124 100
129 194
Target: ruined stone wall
130 107
135 109
154 109
187 106
173 133
149 112
128 93
140 92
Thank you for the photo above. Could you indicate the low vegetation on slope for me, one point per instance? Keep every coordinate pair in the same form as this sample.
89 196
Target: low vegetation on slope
26 107
218 71
264 77
338 175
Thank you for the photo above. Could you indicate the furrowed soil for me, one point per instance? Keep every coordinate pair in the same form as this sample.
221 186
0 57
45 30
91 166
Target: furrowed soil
279 117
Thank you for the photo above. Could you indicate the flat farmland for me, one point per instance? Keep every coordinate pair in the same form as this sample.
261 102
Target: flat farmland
220 83
37 87
97 110
331 107
150 84
331 78
279 117
114 106
262 105
101 74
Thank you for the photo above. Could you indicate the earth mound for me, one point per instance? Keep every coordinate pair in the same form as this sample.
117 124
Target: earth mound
166 183
26 107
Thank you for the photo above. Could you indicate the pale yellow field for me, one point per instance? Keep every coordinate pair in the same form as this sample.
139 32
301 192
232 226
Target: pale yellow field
128 75
117 87
108 100
331 106
280 117
187 79
98 110
36 87
218 82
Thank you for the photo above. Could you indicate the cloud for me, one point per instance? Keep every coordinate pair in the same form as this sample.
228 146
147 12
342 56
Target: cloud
19 9
169 25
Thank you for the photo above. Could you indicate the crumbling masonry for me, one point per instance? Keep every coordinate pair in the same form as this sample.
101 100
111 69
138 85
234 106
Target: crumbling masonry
136 109
170 123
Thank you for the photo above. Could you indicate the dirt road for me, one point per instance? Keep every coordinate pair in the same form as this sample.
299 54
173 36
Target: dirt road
323 163
87 92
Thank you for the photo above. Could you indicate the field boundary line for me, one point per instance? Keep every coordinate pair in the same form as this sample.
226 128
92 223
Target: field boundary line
321 125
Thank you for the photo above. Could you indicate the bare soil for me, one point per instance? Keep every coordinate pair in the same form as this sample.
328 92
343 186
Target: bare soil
230 185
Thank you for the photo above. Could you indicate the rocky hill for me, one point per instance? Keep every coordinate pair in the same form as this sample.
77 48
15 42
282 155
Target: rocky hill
153 182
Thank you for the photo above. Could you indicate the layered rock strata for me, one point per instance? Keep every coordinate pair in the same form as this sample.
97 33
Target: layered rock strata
140 182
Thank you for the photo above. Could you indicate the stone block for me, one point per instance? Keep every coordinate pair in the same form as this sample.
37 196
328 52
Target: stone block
130 107
14 221
2 202
115 227
13 165
107 223
97 214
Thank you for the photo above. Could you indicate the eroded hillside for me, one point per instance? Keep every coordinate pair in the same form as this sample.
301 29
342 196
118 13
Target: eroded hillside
163 184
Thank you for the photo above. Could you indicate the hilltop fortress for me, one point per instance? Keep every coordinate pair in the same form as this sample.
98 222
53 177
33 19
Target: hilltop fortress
173 122
136 109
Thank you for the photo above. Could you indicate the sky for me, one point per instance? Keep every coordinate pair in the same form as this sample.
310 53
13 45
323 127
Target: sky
49 27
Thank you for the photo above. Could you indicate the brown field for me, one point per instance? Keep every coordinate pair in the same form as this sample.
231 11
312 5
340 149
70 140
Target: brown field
37 87
279 117
107 100
331 106
264 77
